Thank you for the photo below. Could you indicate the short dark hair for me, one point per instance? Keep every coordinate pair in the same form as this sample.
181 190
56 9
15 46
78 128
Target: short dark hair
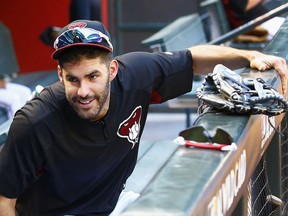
76 53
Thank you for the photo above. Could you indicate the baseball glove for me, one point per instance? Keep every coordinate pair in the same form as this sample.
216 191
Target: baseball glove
226 90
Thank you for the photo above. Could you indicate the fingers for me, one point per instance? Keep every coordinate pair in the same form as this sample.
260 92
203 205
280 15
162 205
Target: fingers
262 63
284 85
284 77
279 64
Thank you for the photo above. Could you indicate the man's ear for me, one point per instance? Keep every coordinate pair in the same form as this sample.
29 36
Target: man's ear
60 73
113 69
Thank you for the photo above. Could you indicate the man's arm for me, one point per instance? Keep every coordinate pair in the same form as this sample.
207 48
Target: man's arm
252 4
205 57
7 206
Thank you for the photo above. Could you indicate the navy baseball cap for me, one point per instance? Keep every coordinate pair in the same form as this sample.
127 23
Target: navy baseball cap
82 33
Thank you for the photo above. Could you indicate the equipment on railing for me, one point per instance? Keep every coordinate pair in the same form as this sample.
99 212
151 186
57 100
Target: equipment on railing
250 25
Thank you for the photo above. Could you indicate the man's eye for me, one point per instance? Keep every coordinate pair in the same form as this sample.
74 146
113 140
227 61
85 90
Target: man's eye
71 79
93 77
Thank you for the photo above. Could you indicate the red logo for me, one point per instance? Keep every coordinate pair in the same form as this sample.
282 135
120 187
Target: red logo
130 128
77 25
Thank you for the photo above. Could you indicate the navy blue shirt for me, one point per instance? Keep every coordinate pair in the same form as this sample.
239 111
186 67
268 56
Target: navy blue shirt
56 163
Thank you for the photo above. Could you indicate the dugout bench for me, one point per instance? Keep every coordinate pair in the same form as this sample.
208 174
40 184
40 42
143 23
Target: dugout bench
194 181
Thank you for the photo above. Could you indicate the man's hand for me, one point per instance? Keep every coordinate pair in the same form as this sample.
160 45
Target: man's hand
265 62
7 206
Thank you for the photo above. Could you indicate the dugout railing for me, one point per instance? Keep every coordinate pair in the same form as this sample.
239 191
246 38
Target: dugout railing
208 182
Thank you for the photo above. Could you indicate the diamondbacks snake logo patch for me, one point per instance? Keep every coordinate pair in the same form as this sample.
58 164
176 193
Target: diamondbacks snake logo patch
130 127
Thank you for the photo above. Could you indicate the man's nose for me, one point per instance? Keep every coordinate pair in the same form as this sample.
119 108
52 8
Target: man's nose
83 90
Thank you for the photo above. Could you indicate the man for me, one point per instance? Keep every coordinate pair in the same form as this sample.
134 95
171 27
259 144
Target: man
12 96
87 9
78 9
241 12
71 149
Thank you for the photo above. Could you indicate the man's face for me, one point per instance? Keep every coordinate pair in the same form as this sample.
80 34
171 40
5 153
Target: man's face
87 86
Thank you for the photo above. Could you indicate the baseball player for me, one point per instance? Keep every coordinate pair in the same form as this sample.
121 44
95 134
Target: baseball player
71 149
12 96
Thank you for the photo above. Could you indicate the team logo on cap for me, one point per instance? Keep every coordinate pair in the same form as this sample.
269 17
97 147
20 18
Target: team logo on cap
77 25
130 127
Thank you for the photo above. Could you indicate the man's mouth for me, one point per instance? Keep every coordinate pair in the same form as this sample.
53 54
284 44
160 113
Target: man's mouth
85 104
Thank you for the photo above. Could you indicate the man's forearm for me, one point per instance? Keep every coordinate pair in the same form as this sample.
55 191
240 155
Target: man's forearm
205 57
7 206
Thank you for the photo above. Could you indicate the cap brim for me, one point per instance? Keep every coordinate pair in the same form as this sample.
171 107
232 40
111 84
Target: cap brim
57 53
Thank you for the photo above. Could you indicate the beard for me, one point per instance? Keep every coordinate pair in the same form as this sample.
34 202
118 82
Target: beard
93 112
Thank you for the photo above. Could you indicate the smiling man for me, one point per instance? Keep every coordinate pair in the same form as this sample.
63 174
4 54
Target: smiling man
71 149
87 86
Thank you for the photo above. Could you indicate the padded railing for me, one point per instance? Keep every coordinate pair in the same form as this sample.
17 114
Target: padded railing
207 182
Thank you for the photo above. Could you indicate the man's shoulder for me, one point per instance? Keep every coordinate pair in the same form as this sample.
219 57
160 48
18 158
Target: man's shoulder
50 100
148 59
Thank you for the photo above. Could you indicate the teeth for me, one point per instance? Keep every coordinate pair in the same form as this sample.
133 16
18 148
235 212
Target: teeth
85 102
